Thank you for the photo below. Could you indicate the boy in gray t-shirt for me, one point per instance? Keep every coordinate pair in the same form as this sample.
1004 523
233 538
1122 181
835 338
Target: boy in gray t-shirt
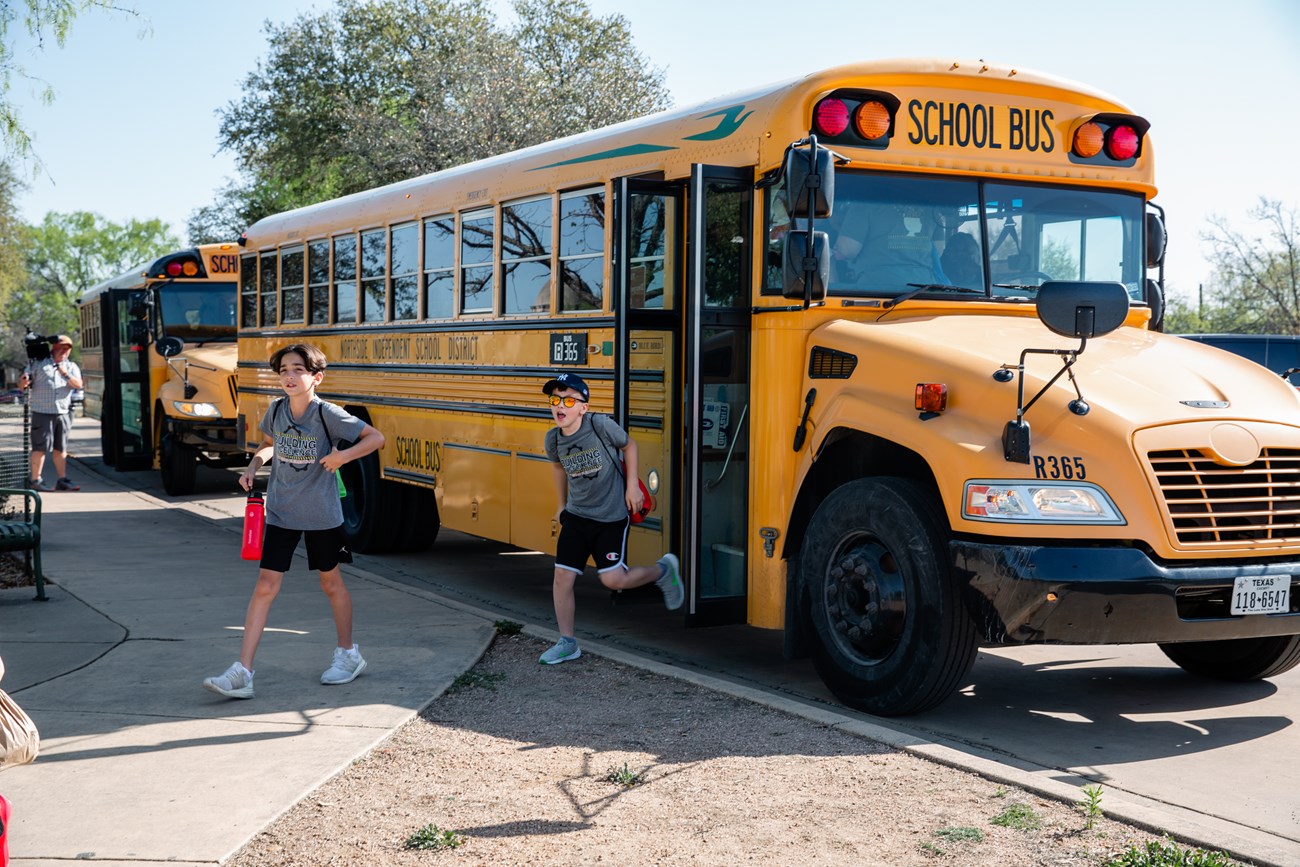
299 432
595 495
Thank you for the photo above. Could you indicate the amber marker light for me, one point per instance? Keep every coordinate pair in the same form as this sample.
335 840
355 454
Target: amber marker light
931 396
871 120
1088 140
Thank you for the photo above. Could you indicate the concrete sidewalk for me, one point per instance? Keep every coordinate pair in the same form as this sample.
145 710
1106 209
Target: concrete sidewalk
138 762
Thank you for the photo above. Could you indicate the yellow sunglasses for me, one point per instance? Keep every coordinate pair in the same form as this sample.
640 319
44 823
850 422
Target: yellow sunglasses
567 401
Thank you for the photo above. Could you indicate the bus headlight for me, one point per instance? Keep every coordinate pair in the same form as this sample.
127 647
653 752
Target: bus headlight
1022 502
197 410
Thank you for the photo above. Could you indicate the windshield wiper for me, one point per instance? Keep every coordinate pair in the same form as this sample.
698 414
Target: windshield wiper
1016 286
918 288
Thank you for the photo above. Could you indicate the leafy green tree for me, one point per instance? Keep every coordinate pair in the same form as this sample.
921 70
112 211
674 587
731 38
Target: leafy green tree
69 253
1256 283
43 20
376 91
64 256
12 271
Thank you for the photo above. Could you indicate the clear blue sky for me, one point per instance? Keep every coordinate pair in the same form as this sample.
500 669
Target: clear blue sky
132 132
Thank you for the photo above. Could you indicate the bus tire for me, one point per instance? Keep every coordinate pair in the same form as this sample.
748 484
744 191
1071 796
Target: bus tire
179 465
361 519
1238 659
891 636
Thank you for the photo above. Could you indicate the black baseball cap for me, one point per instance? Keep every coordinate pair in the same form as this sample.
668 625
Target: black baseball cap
568 380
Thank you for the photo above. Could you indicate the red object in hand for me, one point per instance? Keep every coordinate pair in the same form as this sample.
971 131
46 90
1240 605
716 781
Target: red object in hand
254 526
647 505
4 832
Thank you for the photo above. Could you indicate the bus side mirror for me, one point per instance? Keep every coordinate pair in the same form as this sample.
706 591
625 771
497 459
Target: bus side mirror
169 346
138 305
1082 309
137 331
798 267
1156 240
809 187
1156 301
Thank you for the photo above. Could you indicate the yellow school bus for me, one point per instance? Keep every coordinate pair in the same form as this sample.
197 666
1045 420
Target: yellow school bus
887 337
158 355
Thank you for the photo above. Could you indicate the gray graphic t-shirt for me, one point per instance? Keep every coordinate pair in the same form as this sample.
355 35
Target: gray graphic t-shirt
596 486
302 494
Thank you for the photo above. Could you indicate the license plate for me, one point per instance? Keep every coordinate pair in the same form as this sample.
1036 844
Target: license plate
1269 594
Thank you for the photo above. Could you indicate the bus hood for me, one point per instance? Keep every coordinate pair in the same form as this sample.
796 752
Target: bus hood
222 356
1131 378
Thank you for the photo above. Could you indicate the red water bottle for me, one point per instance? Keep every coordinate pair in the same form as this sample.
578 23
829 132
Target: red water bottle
4 832
254 526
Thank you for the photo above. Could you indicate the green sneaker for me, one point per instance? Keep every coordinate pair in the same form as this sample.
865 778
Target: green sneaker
564 650
671 583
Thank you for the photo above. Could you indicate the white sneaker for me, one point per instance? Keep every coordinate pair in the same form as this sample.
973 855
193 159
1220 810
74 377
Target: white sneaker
237 682
346 666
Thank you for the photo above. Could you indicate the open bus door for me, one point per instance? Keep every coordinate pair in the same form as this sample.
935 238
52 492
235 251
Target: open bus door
682 371
124 422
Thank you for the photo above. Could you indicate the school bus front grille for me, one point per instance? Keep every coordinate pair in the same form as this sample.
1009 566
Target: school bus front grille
1212 504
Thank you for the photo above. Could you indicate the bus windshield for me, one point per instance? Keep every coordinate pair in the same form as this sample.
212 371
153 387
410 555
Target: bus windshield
891 234
198 312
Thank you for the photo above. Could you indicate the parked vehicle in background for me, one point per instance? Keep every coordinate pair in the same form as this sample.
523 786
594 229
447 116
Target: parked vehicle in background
158 353
1278 352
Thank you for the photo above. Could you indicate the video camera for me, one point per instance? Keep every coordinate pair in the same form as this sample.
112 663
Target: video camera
38 345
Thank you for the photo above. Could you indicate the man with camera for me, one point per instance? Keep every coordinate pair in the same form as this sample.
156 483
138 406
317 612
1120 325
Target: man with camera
52 381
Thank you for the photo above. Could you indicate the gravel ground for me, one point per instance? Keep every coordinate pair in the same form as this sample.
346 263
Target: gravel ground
595 762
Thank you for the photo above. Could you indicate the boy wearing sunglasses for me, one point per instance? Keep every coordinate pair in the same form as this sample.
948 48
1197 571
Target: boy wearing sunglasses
595 497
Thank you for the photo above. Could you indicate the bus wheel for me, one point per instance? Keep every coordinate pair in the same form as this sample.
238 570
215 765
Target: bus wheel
892 637
179 465
1236 658
372 508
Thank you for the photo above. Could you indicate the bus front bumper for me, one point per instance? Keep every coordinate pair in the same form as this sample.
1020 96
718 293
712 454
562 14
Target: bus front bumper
1022 594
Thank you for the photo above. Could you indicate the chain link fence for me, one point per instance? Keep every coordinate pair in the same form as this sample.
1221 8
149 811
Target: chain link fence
15 440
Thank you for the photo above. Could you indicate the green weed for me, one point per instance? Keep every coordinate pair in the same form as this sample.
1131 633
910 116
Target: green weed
1018 816
508 627
1090 804
1167 853
960 835
624 776
433 837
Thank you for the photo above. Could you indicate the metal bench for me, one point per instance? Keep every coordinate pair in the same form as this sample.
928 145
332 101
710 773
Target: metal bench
23 532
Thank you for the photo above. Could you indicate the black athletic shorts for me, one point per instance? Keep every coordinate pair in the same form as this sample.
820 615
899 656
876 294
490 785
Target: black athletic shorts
580 538
325 548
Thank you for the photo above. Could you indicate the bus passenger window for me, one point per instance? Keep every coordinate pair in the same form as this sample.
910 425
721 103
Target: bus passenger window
267 285
374 275
477 239
318 277
248 291
404 265
582 251
345 278
291 284
439 267
526 256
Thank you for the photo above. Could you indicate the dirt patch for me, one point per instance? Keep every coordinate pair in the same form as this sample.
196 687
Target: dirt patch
594 762
13 572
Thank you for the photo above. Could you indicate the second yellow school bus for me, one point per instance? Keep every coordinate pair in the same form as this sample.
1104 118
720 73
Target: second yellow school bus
934 409
158 349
